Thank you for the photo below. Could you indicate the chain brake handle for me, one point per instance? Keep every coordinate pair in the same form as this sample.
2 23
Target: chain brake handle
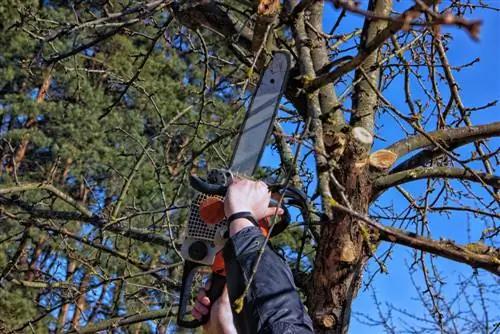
215 291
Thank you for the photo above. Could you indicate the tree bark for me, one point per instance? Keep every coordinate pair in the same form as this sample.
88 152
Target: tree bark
365 101
13 166
64 309
31 274
80 302
341 255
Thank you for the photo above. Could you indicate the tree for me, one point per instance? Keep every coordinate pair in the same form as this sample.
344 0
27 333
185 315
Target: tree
131 98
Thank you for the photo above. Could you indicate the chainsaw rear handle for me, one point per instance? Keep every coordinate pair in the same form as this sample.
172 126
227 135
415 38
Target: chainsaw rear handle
215 291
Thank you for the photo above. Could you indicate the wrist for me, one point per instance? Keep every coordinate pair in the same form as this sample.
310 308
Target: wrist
237 225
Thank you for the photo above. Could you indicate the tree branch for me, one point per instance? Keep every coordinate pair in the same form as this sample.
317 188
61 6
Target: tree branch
85 214
365 100
320 58
123 321
471 256
446 137
418 173
51 189
208 14
447 249
393 27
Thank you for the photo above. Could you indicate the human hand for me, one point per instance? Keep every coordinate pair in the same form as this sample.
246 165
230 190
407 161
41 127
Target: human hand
221 317
245 195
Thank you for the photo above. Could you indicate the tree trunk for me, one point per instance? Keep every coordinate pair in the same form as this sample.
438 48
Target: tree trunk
341 254
64 309
13 166
31 274
80 302
65 173
99 303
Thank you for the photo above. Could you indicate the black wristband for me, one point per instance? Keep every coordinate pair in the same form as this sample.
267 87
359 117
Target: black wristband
244 214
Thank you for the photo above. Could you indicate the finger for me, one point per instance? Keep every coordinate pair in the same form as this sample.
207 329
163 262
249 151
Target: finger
270 212
200 308
202 298
240 179
196 314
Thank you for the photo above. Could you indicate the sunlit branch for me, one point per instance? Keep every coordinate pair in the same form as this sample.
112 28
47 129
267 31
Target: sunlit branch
51 189
394 26
446 137
447 249
125 320
418 173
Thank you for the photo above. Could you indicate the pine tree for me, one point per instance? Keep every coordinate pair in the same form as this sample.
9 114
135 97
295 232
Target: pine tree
108 106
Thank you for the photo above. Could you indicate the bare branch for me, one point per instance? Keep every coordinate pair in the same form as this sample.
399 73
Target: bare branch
124 321
394 26
437 19
447 249
398 178
446 137
51 189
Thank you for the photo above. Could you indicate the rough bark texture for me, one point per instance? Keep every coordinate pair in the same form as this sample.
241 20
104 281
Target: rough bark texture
364 102
341 256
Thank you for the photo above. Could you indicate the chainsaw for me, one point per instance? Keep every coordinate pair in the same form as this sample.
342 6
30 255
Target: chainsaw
207 228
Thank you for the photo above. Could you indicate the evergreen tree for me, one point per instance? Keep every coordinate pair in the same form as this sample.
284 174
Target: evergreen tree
108 106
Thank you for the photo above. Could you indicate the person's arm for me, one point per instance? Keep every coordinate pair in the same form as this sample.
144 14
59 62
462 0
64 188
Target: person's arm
272 304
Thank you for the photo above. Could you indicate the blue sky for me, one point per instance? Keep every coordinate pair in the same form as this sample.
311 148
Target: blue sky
479 85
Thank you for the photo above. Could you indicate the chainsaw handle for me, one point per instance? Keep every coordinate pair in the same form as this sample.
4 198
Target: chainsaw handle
205 187
284 219
216 288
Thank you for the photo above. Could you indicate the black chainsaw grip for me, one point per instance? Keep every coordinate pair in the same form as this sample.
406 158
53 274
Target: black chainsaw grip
187 280
213 293
284 219
203 186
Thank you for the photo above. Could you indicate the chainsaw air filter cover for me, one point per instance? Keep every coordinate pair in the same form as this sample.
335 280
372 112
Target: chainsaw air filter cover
212 236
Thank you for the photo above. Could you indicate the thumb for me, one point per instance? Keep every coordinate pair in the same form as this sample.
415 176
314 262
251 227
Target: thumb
271 211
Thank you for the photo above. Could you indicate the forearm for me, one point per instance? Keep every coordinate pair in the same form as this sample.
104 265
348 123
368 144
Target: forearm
272 303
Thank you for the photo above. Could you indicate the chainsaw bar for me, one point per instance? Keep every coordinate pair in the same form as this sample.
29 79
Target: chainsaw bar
262 111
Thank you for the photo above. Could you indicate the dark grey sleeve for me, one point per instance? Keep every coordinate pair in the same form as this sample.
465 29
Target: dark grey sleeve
272 304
